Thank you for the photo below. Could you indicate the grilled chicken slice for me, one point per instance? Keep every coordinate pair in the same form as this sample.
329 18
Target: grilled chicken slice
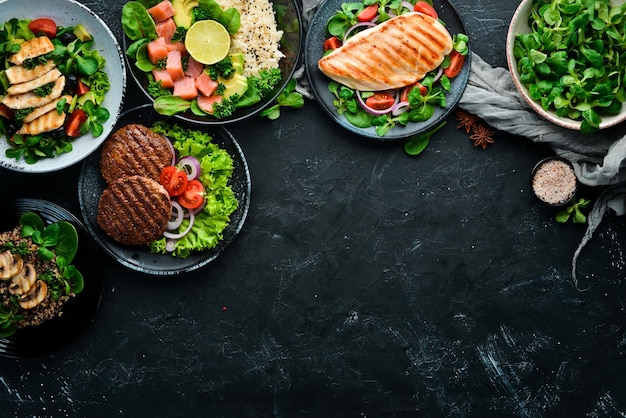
26 100
42 110
46 78
396 53
31 49
45 123
18 74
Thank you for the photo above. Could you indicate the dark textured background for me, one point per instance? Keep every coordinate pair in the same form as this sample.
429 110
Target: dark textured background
365 283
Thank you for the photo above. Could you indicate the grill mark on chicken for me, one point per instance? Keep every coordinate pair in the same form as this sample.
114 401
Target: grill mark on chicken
42 110
393 54
26 100
32 49
18 74
42 80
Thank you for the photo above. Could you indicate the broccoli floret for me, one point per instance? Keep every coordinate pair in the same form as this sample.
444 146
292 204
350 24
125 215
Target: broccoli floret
199 13
267 80
156 89
226 107
223 69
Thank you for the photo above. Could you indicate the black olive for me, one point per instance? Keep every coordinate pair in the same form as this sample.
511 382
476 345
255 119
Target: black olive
10 127
57 133
67 37
71 83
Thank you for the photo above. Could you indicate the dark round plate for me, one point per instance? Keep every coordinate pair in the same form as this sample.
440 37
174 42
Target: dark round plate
313 51
79 311
139 258
289 21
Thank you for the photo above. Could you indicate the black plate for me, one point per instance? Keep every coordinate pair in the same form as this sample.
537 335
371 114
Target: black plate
79 311
313 51
289 21
139 258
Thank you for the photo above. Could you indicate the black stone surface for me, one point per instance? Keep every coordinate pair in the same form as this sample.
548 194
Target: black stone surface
364 283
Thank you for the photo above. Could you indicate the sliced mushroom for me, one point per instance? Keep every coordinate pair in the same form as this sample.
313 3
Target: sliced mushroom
35 295
23 280
10 264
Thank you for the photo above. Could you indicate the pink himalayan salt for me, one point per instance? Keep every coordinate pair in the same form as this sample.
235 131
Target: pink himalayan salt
554 182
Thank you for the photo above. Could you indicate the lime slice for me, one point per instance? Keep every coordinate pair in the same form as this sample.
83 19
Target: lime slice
207 41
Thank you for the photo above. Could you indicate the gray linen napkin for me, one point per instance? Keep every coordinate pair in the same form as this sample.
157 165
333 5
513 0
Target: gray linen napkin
599 160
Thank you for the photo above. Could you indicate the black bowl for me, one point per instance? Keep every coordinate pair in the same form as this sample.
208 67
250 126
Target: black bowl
288 19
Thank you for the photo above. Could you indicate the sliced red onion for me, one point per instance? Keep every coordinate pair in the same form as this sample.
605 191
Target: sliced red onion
196 210
438 75
399 108
408 5
358 25
171 146
170 245
177 216
190 165
179 235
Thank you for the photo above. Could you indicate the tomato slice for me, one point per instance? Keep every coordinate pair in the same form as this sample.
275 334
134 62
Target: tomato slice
5 112
404 96
193 197
368 13
426 8
380 101
82 88
456 64
332 43
174 180
43 26
73 122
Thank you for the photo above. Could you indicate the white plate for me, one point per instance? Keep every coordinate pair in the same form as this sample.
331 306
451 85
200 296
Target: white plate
70 13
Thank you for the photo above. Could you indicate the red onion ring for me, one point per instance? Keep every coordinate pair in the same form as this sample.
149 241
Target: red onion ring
171 147
170 245
179 235
178 219
377 112
399 108
438 75
358 25
408 5
190 165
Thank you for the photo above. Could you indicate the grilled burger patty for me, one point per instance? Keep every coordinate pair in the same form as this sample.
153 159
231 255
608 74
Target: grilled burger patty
134 150
134 210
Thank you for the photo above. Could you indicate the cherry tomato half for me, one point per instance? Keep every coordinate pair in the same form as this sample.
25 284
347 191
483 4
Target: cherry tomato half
332 43
174 180
73 122
456 64
193 197
380 101
426 8
368 13
404 96
43 26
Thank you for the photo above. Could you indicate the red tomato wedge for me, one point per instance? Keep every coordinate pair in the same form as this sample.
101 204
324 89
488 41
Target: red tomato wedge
332 43
404 96
456 64
174 180
368 13
380 101
82 88
43 26
73 122
193 197
426 8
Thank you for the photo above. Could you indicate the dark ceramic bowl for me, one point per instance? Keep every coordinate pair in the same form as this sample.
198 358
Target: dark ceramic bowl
314 50
554 182
288 19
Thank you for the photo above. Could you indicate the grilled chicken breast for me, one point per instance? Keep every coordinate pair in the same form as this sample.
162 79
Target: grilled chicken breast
134 149
47 122
134 210
17 74
31 49
27 86
29 99
396 53
42 110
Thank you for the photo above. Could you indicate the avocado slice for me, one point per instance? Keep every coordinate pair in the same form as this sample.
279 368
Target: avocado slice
81 33
183 9
237 84
238 61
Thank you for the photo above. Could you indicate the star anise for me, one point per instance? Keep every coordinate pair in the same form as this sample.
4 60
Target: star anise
482 136
466 120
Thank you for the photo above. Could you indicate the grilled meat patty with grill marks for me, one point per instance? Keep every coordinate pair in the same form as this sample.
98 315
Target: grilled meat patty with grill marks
393 54
134 210
134 150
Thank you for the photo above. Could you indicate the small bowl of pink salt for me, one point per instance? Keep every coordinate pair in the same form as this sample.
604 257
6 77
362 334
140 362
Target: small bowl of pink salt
553 181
